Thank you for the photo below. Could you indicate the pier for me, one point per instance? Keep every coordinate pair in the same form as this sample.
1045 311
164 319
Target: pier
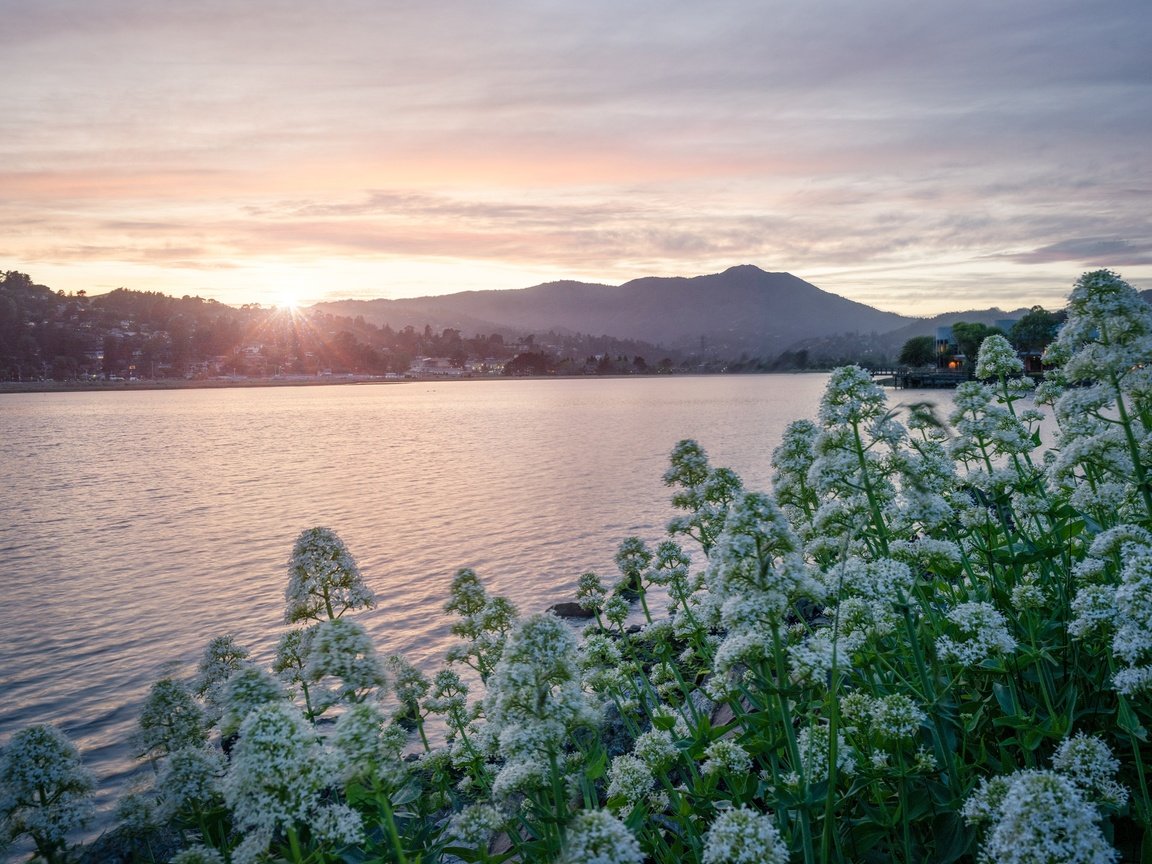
905 378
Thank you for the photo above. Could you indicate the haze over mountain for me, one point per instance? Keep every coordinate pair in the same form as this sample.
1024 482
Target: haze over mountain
743 308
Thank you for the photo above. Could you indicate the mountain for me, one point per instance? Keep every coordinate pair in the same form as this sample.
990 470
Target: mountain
742 309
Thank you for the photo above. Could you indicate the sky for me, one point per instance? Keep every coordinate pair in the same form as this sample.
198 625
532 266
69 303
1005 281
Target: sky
920 156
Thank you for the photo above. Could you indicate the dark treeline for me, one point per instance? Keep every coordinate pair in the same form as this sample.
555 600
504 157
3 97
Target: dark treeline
46 334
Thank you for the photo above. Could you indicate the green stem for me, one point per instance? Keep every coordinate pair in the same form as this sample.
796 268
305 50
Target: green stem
644 603
873 504
559 801
793 747
943 753
393 832
423 736
307 699
294 845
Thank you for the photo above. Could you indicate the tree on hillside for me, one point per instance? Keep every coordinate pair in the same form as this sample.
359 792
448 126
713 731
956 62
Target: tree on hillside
918 351
529 363
969 337
1035 330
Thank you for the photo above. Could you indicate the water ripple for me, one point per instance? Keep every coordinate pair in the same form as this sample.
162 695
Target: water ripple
136 526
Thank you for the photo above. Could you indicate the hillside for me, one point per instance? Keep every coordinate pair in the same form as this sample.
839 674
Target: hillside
742 309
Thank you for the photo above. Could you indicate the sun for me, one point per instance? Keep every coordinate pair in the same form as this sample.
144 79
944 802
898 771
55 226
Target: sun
288 302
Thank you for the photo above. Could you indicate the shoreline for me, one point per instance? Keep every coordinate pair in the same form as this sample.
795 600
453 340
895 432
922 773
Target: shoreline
221 384
186 384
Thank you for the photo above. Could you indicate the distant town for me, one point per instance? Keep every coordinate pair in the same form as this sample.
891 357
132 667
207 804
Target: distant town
126 336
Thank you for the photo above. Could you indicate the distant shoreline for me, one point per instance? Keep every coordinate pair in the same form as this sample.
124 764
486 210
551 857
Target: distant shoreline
180 384
223 384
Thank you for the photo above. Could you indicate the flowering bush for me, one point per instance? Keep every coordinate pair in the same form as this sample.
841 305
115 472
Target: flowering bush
46 792
324 580
930 643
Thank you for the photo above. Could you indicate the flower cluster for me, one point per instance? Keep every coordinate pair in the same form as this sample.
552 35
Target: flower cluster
324 580
277 782
743 836
1036 816
534 699
46 791
598 837
983 634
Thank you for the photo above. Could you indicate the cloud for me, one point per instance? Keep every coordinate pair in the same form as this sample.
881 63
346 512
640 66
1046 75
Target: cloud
1090 251
862 141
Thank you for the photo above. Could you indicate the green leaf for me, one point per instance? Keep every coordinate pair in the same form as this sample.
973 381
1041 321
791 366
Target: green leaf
953 839
974 720
594 770
1006 698
406 794
1129 722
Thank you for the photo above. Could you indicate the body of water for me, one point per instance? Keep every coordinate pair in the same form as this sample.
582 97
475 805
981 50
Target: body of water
135 526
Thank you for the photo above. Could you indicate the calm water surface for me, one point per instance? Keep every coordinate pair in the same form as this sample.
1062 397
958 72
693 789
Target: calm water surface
134 526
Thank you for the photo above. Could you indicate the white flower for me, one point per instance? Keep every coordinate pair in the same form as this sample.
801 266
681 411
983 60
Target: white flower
813 744
278 778
1042 817
323 579
997 358
190 779
1094 608
858 620
851 396
1029 595
590 592
534 699
792 461
656 748
756 563
409 684
882 580
925 760
598 837
856 710
343 650
616 610
221 658
813 659
742 646
1108 329
897 716
984 631
366 747
292 655
629 778
337 824
474 826
1133 680
743 836
1088 762
1133 639
197 855
46 792
521 774
171 719
248 688
725 756
983 805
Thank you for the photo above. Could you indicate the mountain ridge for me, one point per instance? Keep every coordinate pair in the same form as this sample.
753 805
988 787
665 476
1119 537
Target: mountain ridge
741 308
